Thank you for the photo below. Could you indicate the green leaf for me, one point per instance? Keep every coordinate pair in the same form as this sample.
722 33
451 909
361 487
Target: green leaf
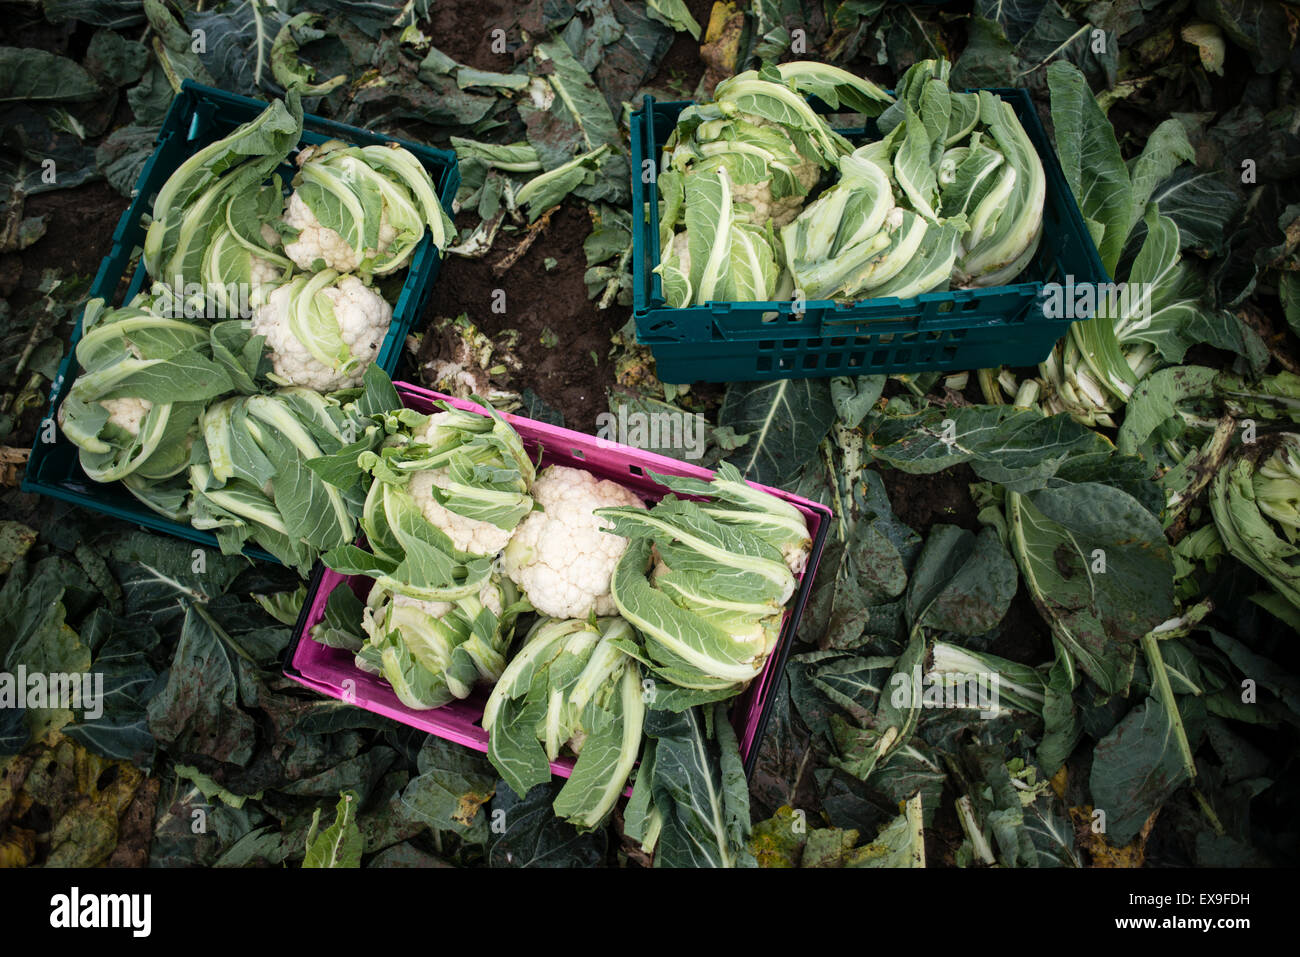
1061 726
1164 149
901 843
551 187
198 711
577 105
1202 204
854 397
962 583
700 790
988 59
786 420
339 845
115 59
160 576
1018 448
1098 567
31 74
288 69
1091 160
674 13
1139 765
534 837
450 792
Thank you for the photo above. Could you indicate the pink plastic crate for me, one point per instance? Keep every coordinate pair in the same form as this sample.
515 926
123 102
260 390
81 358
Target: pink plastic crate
331 670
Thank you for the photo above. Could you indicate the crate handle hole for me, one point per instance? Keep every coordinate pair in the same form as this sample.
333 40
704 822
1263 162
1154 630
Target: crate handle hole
578 453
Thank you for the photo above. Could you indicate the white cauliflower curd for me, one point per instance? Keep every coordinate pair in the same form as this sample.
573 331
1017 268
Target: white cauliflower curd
561 557
323 341
764 208
126 413
470 535
317 242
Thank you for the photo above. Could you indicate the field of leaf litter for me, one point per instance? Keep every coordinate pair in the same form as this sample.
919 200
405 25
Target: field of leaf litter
223 730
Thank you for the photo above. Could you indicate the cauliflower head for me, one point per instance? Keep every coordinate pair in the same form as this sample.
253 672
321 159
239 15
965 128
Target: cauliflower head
489 595
469 535
362 318
561 557
264 272
758 196
127 413
318 242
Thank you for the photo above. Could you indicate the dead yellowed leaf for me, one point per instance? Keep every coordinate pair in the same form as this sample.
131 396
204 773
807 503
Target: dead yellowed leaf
1100 850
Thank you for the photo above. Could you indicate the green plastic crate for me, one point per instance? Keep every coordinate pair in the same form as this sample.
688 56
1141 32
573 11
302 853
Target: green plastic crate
198 116
960 329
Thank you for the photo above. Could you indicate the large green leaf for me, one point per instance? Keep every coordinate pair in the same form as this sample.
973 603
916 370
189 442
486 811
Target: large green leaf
1202 204
699 787
1015 447
198 711
530 834
160 576
1099 569
451 790
1091 160
962 583
31 74
786 420
1139 765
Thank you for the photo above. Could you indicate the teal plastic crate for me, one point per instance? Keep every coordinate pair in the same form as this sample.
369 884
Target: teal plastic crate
960 329
198 116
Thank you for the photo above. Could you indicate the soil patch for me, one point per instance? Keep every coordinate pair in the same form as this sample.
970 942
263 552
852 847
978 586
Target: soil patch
466 33
574 372
922 500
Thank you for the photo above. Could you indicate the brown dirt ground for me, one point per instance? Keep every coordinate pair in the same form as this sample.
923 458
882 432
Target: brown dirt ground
465 32
565 376
681 69
80 224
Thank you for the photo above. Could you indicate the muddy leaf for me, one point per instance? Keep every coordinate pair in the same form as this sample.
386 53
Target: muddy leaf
198 711
828 847
962 582
135 827
84 837
15 539
1099 569
1138 766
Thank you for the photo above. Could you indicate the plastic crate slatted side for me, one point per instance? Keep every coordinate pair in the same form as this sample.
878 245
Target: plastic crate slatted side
197 117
